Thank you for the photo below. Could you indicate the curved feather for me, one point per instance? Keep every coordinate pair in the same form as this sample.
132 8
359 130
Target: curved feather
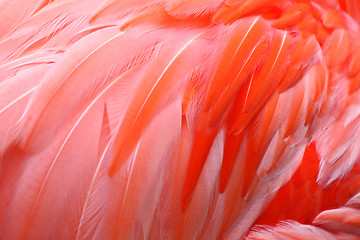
51 94
151 94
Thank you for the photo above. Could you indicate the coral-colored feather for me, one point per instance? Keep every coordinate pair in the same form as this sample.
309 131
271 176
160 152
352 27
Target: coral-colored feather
174 119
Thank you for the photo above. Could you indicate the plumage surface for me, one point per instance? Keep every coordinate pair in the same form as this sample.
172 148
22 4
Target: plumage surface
174 119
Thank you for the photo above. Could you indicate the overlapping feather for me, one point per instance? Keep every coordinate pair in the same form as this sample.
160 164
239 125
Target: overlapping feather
155 120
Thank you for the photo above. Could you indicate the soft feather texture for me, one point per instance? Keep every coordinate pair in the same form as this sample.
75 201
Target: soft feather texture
173 119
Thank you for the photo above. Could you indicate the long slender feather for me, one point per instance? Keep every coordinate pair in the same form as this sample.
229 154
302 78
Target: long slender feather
149 97
50 95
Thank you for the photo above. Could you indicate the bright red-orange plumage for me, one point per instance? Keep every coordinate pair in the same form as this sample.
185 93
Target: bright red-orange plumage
174 119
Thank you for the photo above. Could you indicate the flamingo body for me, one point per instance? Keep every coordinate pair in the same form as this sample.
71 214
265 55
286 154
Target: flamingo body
178 119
